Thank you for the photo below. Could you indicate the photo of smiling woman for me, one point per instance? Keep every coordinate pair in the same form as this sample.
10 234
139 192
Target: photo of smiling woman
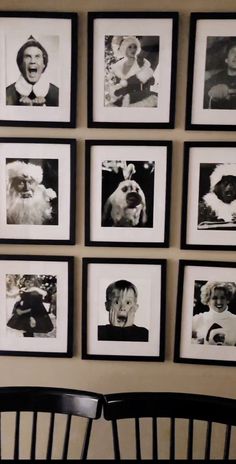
121 303
214 321
32 87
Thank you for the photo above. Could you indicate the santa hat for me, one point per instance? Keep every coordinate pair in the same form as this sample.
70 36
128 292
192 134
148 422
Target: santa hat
220 171
120 44
22 169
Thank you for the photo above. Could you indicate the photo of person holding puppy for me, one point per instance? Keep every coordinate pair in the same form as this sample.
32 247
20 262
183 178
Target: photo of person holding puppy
217 324
127 193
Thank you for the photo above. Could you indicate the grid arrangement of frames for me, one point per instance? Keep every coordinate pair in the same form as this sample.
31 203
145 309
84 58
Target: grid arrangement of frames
131 84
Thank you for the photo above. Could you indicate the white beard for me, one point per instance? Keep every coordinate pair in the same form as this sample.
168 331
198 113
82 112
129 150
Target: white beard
34 210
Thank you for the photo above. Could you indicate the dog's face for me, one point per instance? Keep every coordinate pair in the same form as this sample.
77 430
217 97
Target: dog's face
225 189
126 206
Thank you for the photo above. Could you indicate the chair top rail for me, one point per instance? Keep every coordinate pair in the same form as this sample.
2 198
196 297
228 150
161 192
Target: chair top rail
170 404
49 399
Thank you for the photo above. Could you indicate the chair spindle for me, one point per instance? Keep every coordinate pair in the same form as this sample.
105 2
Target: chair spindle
50 436
34 434
67 437
17 436
154 439
172 438
86 439
190 440
208 441
137 437
115 440
227 442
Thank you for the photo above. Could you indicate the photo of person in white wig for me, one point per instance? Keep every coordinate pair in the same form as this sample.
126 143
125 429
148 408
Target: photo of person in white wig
28 201
131 71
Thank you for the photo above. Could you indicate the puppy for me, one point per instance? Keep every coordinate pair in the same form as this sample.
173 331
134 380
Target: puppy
126 206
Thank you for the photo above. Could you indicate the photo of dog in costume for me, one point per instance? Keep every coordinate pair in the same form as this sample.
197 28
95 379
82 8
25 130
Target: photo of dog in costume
127 194
217 208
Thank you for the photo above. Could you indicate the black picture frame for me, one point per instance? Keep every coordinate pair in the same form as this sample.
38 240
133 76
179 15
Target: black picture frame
47 329
47 97
209 38
144 341
207 211
122 173
211 339
48 217
103 109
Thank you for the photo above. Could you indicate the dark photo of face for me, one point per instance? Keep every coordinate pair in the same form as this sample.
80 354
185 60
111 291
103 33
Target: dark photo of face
225 189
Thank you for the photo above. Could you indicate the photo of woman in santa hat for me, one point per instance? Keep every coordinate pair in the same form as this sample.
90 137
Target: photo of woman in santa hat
131 71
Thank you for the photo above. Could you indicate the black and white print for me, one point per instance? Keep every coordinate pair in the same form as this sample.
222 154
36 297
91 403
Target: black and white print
123 309
205 331
127 188
220 73
127 193
31 305
37 305
32 191
131 71
217 196
37 190
38 60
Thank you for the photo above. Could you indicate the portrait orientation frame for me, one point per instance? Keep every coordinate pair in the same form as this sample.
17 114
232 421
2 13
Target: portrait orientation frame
157 33
56 88
114 171
53 163
207 109
144 339
47 329
199 340
207 221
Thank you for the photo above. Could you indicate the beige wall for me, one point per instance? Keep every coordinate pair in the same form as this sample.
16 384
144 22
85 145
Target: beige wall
110 376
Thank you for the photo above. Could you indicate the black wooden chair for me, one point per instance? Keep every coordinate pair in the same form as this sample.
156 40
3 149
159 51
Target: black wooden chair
56 402
192 408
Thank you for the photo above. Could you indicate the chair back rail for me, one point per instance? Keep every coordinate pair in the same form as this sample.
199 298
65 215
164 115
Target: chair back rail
192 407
55 401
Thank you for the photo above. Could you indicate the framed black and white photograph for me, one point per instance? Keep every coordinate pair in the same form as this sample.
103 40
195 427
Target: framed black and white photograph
37 190
209 196
206 313
132 69
123 309
36 305
127 188
38 56
211 94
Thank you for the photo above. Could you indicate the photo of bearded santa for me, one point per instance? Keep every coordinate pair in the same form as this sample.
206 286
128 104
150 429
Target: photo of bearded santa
31 188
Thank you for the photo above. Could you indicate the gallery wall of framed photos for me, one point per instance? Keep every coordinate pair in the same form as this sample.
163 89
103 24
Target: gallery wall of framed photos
125 121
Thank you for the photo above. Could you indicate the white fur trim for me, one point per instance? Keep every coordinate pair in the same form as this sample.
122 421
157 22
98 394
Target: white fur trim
220 171
145 73
40 89
222 210
19 168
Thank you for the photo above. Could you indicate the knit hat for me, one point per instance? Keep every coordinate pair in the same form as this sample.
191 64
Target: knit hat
220 171
120 44
21 169
31 42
